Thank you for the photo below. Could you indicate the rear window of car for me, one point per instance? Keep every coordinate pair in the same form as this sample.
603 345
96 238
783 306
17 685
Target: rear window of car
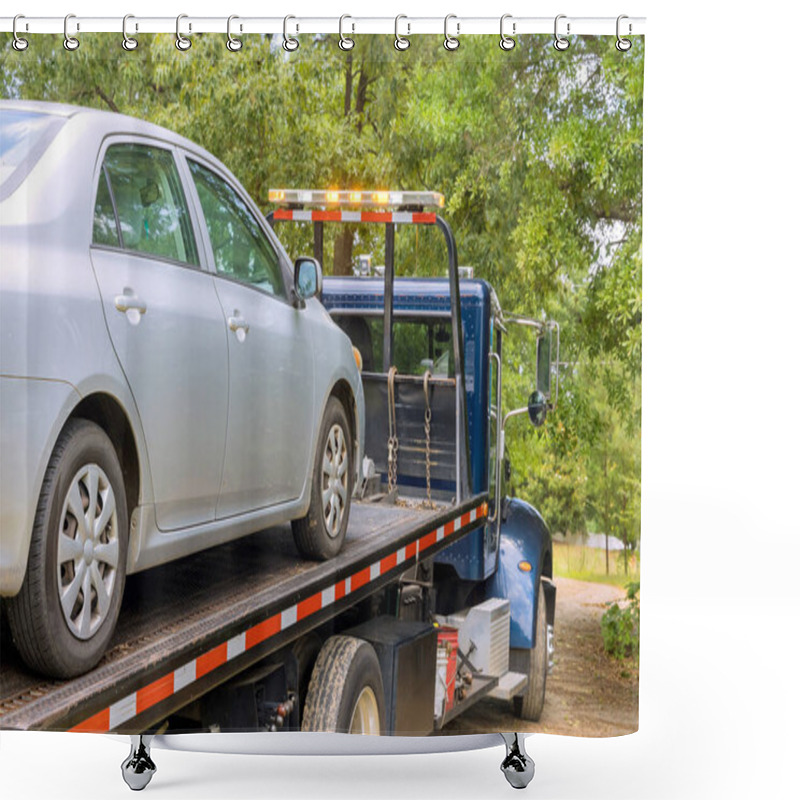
24 136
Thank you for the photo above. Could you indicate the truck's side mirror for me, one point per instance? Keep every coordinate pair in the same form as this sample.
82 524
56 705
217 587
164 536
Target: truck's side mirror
537 408
307 278
543 363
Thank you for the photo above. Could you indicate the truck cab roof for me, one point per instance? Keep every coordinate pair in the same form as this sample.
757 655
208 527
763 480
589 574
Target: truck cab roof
341 294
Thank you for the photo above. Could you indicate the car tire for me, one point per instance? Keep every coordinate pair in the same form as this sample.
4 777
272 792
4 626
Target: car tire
320 534
74 552
345 694
530 705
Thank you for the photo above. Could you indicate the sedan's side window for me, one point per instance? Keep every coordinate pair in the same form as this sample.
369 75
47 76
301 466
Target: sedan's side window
150 204
241 250
105 221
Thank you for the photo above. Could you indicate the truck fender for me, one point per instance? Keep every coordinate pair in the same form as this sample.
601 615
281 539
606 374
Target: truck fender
524 538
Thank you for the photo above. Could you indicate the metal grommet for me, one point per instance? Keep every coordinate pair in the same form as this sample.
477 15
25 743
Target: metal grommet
506 42
290 44
128 43
623 45
400 42
18 43
70 42
233 44
560 43
345 42
181 42
451 42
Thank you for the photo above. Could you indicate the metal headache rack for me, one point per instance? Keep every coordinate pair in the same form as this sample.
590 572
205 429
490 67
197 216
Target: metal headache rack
319 206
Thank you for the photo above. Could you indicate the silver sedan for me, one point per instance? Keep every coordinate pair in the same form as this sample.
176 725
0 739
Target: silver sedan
168 379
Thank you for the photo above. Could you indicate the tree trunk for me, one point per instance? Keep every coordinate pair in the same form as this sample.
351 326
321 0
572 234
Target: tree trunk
343 252
343 243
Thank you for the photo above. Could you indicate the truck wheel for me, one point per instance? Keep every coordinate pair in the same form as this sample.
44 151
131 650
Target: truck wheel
320 534
64 615
530 705
305 652
346 690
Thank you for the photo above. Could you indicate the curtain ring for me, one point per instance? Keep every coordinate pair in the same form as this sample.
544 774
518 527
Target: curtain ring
560 43
127 42
181 42
18 43
233 44
623 45
290 44
506 42
70 42
345 42
400 42
451 42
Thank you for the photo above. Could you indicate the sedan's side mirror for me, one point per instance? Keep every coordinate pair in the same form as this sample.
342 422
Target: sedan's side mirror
307 278
537 408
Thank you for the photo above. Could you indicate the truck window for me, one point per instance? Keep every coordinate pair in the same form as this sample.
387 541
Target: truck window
419 344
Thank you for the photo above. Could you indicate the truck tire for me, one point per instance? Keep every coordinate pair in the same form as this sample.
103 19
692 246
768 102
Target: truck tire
305 651
320 534
346 690
530 705
63 617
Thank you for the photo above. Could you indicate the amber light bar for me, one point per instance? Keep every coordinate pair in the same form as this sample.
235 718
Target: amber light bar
301 198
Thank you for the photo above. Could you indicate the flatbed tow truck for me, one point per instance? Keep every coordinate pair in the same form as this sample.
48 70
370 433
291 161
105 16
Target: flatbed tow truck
187 627
441 595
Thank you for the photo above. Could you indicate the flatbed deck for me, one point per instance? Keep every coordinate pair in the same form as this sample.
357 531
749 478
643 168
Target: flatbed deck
190 625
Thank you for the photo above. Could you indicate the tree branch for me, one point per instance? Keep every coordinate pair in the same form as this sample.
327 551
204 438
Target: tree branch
348 84
106 99
591 77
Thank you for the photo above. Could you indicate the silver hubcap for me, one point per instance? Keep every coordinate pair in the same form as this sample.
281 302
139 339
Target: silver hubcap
88 551
366 718
334 480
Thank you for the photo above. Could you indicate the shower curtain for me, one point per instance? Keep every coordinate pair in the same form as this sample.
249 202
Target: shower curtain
536 151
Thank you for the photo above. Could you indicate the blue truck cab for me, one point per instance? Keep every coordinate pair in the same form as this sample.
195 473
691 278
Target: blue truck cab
511 556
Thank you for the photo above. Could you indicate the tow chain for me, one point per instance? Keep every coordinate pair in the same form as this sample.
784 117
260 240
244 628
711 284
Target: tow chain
392 442
427 377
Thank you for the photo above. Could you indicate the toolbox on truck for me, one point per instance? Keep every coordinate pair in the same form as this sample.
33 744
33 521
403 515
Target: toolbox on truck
407 655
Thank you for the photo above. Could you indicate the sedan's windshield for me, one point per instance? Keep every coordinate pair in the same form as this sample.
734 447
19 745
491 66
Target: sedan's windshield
23 138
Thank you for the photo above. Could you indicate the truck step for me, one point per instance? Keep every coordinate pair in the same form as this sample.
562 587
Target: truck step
510 685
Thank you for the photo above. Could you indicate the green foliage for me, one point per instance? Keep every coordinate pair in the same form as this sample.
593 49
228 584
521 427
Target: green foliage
620 626
582 563
614 459
537 152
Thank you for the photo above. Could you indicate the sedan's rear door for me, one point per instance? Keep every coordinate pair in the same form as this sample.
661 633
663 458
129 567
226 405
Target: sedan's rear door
166 325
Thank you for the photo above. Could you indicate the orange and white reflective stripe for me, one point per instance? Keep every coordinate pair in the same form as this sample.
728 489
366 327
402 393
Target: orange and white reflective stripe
167 685
396 217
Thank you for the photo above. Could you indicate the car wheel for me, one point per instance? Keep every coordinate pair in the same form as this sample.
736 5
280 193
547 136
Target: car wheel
346 690
64 615
320 534
531 704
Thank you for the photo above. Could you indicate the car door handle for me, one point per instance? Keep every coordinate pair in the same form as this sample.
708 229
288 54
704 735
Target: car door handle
238 323
129 302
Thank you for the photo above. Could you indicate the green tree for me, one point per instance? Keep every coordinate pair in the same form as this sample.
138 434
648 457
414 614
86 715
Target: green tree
537 152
